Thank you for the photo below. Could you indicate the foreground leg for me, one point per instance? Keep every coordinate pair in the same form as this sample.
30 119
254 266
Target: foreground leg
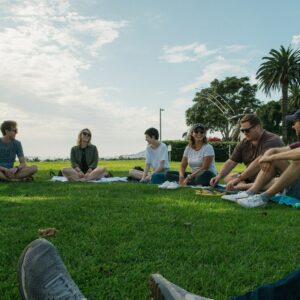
162 289
43 275
287 288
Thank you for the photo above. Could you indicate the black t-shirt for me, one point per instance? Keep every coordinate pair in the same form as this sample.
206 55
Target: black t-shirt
84 166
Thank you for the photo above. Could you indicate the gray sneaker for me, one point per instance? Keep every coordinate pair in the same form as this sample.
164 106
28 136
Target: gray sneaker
162 289
42 274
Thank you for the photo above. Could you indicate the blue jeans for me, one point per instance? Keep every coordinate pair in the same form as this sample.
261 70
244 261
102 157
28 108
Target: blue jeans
287 288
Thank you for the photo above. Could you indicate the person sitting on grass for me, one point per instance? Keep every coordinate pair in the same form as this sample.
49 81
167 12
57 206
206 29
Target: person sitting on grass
256 142
84 160
156 158
200 156
273 162
43 275
9 149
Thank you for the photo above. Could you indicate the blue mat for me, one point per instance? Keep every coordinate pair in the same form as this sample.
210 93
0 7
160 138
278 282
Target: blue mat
287 200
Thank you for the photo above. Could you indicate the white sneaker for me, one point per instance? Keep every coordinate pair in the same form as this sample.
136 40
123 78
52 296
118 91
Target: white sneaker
164 185
252 201
235 197
173 186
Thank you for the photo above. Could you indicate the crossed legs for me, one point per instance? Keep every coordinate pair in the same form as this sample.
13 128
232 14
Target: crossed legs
72 175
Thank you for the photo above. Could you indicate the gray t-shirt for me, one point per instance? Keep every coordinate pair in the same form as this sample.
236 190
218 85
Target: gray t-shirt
8 153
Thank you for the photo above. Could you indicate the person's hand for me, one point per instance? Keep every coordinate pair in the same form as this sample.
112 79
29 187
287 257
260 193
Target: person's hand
86 175
148 177
187 180
214 181
81 174
232 183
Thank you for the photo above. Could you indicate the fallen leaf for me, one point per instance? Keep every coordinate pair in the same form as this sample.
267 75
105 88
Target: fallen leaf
47 232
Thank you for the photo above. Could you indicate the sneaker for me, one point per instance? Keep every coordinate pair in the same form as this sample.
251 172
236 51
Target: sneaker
173 186
252 201
164 185
43 275
235 197
162 289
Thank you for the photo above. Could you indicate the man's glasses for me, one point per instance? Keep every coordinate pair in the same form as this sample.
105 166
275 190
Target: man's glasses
14 130
86 134
247 130
199 131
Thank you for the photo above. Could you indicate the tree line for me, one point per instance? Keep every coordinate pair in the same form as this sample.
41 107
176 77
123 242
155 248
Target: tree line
221 105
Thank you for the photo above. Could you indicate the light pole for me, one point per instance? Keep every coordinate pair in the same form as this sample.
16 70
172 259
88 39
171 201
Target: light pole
160 110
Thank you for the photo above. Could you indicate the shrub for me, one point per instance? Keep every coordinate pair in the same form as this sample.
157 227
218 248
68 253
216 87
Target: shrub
222 149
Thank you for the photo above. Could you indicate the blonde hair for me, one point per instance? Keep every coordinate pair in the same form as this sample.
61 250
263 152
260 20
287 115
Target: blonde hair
79 139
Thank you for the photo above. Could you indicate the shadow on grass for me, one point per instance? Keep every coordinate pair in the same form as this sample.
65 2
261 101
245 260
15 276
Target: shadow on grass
112 236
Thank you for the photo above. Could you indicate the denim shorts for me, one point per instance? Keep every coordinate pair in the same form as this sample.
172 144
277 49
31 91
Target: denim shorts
294 189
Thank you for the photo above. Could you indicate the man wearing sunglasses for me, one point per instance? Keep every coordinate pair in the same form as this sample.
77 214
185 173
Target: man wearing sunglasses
256 142
9 149
275 161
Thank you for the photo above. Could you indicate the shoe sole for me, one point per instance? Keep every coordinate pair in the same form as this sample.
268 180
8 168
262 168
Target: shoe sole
233 200
244 206
20 272
155 292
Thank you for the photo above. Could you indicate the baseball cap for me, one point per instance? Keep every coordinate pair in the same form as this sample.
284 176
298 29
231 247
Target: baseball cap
198 125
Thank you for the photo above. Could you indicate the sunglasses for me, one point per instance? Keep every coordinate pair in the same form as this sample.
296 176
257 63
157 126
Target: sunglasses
14 130
247 130
199 131
86 134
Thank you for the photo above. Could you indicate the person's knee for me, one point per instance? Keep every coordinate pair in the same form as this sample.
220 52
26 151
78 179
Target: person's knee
66 170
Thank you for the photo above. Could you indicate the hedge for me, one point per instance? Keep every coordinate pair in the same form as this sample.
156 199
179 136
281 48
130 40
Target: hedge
222 149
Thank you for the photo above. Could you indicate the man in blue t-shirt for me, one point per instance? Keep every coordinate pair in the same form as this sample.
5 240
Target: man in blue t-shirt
9 149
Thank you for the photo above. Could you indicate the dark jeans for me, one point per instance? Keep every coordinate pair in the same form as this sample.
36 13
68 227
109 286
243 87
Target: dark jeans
203 178
287 288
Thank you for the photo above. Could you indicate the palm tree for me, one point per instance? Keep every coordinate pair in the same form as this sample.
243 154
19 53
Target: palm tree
278 72
294 97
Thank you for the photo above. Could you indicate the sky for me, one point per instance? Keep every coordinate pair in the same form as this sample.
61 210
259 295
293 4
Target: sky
110 65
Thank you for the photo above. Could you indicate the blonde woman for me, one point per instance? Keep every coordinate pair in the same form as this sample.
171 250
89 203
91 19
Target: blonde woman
84 160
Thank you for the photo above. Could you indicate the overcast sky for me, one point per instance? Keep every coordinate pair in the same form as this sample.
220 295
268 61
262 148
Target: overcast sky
110 65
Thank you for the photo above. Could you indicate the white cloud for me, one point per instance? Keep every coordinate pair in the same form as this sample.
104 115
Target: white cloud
296 39
186 53
215 70
44 47
235 48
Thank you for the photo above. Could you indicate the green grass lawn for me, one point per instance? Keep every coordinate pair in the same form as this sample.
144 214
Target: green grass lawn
112 236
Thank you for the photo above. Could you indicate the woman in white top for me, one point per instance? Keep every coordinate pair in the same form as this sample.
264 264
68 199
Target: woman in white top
199 156
156 158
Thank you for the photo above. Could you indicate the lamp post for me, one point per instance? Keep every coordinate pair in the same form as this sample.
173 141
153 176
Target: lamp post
160 110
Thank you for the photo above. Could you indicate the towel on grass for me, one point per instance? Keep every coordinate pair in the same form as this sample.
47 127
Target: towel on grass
102 180
287 200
